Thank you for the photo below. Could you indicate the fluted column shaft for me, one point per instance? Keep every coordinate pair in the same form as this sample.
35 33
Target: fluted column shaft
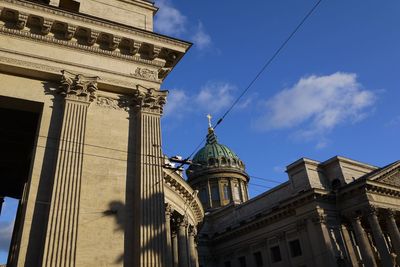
192 248
175 250
182 241
62 229
60 248
379 239
151 244
394 234
168 232
365 248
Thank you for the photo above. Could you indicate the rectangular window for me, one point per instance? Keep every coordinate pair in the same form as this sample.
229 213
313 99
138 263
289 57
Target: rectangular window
295 248
275 254
236 194
215 193
242 261
227 264
258 259
226 192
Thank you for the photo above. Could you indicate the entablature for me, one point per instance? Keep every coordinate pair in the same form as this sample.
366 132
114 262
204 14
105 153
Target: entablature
119 50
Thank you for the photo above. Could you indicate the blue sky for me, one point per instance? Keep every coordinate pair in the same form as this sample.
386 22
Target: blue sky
334 89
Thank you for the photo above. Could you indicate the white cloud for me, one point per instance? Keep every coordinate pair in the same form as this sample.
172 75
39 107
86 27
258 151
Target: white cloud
215 97
169 20
317 104
201 39
6 229
176 103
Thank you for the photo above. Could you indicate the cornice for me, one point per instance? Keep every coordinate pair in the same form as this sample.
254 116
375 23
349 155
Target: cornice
123 45
279 212
100 22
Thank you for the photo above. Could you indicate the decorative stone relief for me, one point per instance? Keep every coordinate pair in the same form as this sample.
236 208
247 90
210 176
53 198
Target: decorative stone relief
145 73
78 86
118 104
149 99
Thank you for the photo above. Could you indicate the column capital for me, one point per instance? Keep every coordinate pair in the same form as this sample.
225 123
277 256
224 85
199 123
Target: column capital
78 86
192 230
149 99
182 222
391 213
371 210
168 209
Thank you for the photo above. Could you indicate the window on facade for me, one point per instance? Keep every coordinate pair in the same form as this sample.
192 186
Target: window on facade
214 192
226 191
236 193
275 254
242 261
203 196
295 248
227 264
258 259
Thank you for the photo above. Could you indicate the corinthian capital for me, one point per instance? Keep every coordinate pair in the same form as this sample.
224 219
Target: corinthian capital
78 86
149 99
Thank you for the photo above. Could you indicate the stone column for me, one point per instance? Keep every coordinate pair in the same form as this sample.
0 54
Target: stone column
182 244
175 250
365 248
168 212
379 238
151 243
192 247
320 240
394 233
62 229
351 254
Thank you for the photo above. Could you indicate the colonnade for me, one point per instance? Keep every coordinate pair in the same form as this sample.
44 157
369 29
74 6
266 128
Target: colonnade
384 247
181 242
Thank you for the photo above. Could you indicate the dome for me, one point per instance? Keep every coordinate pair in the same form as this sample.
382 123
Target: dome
215 155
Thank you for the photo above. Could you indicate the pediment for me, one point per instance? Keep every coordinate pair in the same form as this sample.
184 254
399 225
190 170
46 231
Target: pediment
388 175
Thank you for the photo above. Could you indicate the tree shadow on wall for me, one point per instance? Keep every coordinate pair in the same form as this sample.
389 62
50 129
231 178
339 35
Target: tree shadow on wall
129 221
125 222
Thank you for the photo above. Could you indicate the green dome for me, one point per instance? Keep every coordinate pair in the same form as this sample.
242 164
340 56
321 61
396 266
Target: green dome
214 151
215 155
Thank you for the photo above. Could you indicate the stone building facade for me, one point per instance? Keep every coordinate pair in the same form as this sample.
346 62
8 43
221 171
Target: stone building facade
339 212
80 103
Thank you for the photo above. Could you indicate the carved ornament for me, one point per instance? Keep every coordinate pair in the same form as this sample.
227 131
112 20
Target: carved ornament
144 73
149 99
78 86
108 102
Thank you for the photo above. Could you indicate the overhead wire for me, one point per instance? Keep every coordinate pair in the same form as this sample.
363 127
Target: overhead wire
257 76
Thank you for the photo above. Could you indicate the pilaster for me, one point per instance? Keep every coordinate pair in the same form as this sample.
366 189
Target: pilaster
151 246
60 248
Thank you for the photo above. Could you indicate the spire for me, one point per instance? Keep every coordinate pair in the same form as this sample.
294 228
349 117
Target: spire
211 137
